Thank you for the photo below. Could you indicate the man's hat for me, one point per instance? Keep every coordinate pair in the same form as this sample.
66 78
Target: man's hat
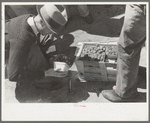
54 16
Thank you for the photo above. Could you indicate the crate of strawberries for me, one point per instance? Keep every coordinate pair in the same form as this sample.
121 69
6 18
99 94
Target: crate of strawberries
96 61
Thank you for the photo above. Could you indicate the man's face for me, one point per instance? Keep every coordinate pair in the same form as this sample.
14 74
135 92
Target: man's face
46 30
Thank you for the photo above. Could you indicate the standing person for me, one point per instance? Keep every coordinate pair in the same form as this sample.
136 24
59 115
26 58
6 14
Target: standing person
131 40
23 57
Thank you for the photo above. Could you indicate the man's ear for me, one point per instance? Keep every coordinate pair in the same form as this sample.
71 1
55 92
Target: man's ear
42 23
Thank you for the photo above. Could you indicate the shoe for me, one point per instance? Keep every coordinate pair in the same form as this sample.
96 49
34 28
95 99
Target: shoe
113 97
88 19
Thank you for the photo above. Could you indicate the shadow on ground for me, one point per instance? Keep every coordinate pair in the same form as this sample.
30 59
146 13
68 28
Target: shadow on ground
106 20
77 92
71 93
29 93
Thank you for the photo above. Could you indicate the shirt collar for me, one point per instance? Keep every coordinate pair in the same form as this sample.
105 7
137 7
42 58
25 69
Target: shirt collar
32 24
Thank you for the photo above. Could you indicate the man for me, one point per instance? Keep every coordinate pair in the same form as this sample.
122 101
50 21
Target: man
131 40
23 57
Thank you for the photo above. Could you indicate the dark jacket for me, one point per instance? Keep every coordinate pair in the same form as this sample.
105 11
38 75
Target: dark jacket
19 37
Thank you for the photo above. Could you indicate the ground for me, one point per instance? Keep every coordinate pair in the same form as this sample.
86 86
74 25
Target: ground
108 21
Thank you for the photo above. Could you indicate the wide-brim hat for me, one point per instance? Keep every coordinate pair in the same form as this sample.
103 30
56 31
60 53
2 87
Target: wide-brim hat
54 16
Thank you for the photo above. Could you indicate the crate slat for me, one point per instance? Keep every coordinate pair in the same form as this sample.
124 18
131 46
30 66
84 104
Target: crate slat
112 71
114 65
91 64
103 71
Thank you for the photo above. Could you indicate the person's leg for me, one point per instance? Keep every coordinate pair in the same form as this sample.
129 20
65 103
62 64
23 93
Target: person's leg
132 38
85 14
36 65
67 10
129 47
83 10
127 72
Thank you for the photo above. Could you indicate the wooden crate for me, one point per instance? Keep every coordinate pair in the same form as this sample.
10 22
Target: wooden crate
95 70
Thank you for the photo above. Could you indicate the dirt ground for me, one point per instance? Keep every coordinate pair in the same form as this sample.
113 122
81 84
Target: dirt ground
108 21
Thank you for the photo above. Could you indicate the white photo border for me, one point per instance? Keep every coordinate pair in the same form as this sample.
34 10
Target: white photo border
67 112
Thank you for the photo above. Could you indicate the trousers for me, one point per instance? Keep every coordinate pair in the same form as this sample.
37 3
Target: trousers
83 10
132 38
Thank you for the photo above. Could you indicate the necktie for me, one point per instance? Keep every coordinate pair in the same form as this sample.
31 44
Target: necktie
38 39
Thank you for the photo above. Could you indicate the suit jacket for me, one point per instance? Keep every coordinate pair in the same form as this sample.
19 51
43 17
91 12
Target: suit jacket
19 37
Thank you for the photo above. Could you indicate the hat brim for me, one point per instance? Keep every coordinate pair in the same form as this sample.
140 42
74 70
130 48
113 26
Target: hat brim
38 8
